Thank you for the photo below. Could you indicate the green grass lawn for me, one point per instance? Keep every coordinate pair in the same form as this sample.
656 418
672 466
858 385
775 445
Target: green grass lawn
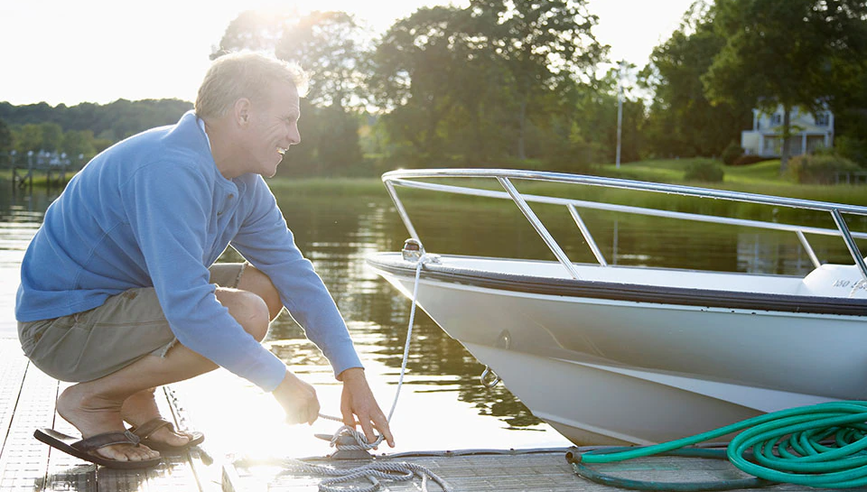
673 170
763 178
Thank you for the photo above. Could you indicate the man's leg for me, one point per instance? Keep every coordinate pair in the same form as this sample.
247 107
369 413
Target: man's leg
253 280
95 406
141 407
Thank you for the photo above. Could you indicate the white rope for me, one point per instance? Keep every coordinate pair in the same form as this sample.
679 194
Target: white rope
360 439
399 471
418 267
395 472
421 262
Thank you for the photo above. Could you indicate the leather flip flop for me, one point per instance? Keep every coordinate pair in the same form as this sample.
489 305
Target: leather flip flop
85 449
147 429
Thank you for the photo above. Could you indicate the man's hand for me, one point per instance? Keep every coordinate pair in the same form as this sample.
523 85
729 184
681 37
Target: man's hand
357 401
298 399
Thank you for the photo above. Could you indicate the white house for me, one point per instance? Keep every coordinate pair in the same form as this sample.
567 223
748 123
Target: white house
808 130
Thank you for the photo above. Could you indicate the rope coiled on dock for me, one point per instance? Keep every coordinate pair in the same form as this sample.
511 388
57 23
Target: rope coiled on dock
394 471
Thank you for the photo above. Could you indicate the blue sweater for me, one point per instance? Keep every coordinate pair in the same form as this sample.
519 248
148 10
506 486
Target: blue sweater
153 210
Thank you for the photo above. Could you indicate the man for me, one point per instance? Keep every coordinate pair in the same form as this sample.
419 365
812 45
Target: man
116 291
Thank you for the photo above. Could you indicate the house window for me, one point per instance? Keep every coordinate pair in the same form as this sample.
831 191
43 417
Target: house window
822 119
772 146
776 119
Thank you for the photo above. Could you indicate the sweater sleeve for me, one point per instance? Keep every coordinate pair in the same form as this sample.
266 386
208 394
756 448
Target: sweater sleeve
266 241
169 206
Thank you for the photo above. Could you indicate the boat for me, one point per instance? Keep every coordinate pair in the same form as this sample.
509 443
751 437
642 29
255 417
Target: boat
640 354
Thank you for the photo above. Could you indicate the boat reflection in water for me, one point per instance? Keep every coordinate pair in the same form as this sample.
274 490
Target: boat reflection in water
612 354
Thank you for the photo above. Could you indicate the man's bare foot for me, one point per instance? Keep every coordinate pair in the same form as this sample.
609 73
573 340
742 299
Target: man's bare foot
92 415
141 408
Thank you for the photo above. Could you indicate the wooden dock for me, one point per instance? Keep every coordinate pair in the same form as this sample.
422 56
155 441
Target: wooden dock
501 472
27 401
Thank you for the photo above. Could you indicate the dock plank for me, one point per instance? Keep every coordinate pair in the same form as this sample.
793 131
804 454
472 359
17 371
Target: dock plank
12 369
28 402
24 460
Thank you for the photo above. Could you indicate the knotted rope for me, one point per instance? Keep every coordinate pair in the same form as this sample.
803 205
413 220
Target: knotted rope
360 439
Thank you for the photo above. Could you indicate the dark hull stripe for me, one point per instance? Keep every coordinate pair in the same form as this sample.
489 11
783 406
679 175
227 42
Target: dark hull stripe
629 292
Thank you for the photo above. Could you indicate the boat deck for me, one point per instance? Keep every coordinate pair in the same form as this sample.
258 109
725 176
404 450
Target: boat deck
27 399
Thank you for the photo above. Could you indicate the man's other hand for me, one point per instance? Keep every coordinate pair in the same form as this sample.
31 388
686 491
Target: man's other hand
358 402
298 399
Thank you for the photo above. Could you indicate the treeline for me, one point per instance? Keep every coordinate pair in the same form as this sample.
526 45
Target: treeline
517 84
84 129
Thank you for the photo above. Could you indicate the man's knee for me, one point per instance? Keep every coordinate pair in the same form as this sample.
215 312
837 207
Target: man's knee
249 310
254 280
258 317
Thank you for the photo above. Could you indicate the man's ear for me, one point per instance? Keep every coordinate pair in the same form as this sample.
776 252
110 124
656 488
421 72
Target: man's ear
242 110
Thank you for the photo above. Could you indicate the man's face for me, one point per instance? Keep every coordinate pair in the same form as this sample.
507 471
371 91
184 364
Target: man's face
272 129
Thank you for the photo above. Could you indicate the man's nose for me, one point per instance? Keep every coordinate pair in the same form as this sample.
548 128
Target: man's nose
294 136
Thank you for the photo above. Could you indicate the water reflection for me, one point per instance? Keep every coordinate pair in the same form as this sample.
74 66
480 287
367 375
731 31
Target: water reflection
20 216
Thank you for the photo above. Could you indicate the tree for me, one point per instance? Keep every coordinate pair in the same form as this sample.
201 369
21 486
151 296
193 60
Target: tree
77 143
330 146
539 44
682 121
5 137
330 47
582 130
850 123
52 137
254 30
339 142
29 138
597 119
435 78
787 53
471 84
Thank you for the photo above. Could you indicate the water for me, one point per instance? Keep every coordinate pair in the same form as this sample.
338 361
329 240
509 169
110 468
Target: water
443 405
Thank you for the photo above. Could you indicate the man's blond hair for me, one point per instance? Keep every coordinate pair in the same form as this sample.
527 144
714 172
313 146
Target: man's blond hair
246 74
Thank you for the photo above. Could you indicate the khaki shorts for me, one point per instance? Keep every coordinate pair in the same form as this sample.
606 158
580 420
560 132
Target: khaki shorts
91 344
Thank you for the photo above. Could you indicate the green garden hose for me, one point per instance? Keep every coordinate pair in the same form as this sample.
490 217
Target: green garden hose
819 446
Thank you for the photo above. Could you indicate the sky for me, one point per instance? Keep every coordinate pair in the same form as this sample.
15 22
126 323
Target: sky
62 51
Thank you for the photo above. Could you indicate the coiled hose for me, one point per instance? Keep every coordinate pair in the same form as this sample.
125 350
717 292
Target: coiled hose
819 446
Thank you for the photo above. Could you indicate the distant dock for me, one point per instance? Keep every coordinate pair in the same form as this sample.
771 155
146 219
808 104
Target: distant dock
57 167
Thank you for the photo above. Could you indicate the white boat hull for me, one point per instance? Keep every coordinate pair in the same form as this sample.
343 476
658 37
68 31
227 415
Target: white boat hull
608 371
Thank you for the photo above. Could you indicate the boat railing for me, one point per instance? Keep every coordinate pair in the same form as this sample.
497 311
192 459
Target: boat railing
412 179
